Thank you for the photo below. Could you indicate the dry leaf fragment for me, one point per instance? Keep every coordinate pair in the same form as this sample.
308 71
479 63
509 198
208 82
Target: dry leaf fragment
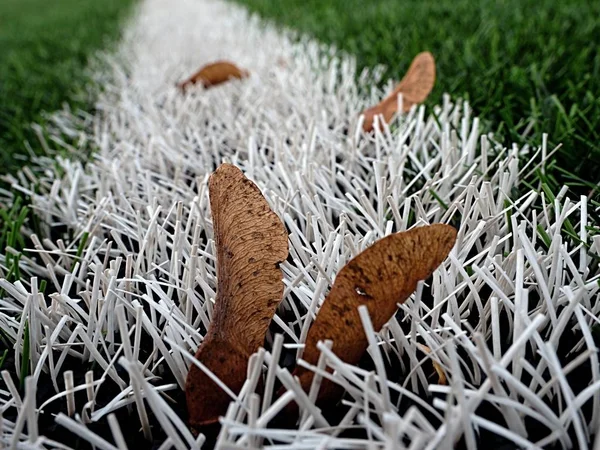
380 277
214 74
251 242
437 367
415 87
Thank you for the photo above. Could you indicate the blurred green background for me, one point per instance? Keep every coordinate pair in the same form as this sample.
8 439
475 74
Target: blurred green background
512 59
44 49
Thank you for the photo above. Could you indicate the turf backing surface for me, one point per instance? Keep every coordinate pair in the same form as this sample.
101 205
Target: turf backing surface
513 60
45 49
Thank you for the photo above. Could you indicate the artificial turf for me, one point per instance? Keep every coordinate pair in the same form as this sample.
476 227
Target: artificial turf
12 237
44 50
514 60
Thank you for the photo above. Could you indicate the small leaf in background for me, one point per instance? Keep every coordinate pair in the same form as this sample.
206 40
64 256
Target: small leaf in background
414 87
380 277
214 74
251 242
436 366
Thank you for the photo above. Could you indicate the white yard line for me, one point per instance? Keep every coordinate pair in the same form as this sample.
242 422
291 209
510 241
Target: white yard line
148 263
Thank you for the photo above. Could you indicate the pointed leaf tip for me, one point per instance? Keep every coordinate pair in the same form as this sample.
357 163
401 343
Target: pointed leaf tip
415 87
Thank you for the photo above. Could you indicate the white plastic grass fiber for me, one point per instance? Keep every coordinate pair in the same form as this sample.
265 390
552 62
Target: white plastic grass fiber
126 249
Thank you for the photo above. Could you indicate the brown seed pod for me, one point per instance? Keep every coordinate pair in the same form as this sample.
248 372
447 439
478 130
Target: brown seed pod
380 277
214 74
251 242
415 87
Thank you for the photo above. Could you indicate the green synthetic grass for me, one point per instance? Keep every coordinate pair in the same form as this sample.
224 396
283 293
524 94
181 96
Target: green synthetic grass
512 59
44 49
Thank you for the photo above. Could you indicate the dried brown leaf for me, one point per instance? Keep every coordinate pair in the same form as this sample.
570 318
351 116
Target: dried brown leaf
251 242
380 277
415 87
214 74
436 366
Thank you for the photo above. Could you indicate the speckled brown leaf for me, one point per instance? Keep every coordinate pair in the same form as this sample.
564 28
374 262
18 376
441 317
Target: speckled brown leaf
380 277
214 74
415 87
251 242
